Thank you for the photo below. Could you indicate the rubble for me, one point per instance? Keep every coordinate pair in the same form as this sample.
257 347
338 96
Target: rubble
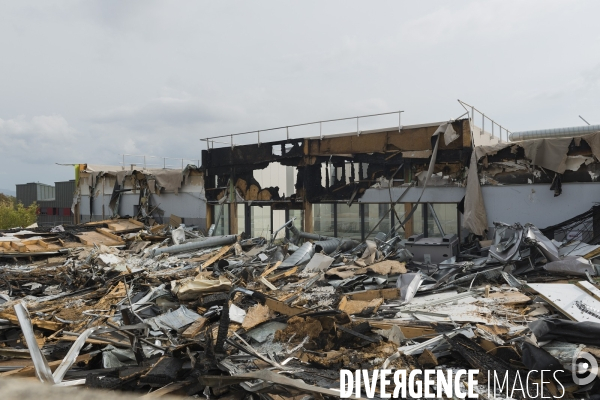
122 305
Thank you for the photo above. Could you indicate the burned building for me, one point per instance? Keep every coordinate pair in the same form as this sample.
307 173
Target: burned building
345 184
158 194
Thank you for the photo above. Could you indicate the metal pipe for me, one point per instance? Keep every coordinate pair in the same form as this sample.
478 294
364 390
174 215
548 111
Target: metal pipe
331 245
297 234
290 222
327 246
553 133
208 242
300 256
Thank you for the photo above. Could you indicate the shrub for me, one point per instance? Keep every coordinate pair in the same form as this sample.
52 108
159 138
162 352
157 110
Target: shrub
13 214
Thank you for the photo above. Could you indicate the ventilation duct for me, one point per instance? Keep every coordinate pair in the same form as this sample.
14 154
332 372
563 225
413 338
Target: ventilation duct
553 133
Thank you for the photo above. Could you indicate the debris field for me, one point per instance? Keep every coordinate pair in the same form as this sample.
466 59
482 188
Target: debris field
164 310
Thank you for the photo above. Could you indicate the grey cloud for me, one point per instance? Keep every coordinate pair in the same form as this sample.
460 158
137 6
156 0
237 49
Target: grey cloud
167 111
89 80
49 134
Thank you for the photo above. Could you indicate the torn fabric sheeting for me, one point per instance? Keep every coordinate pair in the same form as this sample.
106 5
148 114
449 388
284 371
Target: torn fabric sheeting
547 153
475 217
450 134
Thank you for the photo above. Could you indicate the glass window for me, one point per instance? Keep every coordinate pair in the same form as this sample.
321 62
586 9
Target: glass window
323 219
348 221
241 215
278 221
417 219
299 221
401 214
222 227
447 216
261 221
373 214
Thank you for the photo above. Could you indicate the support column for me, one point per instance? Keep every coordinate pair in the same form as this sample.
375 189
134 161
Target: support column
77 215
361 211
248 219
210 209
425 216
233 218
308 217
409 225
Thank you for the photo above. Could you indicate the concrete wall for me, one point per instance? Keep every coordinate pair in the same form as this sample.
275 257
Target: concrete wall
536 203
432 194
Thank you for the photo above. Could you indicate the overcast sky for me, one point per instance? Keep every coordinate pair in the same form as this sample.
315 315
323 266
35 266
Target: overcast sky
86 81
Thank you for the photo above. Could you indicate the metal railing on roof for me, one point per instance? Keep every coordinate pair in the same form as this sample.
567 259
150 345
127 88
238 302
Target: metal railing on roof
471 111
211 141
144 158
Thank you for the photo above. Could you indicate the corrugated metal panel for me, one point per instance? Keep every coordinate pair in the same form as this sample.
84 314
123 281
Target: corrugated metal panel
44 192
60 196
64 194
27 193
46 203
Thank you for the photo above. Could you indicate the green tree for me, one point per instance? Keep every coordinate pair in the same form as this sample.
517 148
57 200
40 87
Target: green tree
13 214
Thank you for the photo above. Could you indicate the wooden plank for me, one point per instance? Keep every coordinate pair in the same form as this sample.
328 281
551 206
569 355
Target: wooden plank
50 325
268 284
108 233
592 254
283 308
589 289
91 238
285 274
194 329
29 371
125 225
367 295
157 228
214 258
99 223
35 248
20 247
269 270
136 222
